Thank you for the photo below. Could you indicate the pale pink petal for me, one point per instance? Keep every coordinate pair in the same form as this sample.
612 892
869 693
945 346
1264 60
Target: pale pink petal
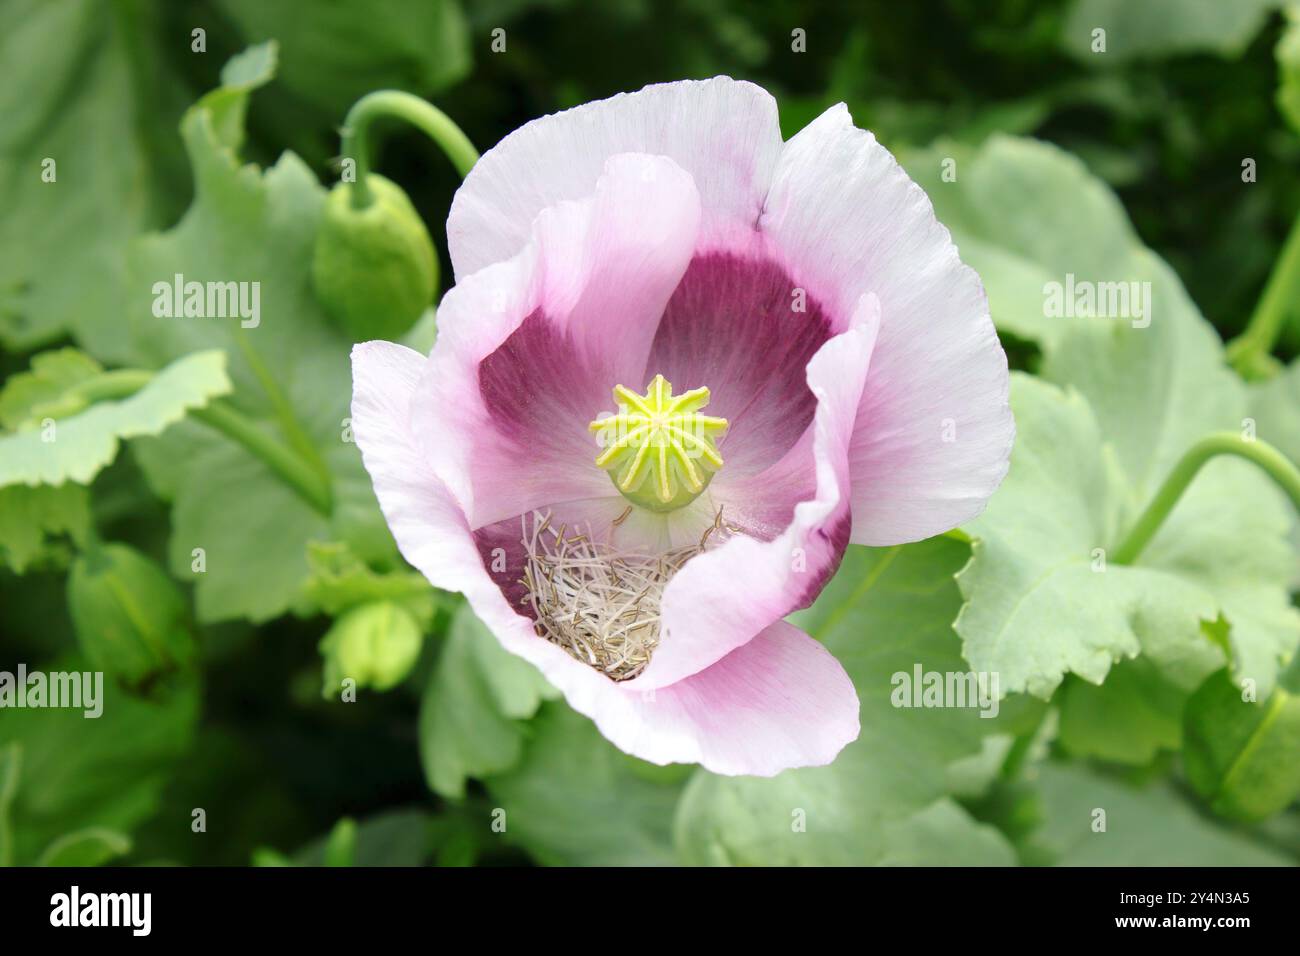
427 523
721 598
529 349
724 133
738 324
934 429
779 701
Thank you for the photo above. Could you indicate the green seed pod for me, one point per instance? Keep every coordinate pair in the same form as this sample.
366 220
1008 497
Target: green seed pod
374 268
375 645
129 616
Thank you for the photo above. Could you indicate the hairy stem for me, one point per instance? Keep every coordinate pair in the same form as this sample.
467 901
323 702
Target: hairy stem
424 116
1274 464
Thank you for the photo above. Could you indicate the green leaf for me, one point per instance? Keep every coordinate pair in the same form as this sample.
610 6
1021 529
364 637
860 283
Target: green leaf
1242 757
290 368
30 516
258 576
1086 461
576 800
233 203
1275 410
93 846
339 581
1130 719
11 763
344 50
1149 826
263 856
1229 532
51 375
227 105
84 88
391 838
1159 28
1038 604
110 771
886 612
78 447
130 618
473 707
341 845
1275 407
943 834
1023 214
1288 64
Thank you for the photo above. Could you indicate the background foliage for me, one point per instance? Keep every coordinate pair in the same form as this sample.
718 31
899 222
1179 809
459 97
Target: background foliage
1124 686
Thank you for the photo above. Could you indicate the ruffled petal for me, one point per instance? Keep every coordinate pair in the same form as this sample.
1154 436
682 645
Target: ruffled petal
934 427
720 599
724 133
427 523
779 701
529 349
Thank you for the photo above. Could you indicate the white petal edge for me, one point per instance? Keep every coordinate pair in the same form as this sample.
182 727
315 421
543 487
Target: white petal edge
725 133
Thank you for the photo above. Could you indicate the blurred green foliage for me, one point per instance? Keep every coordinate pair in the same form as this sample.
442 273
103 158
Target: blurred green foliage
152 132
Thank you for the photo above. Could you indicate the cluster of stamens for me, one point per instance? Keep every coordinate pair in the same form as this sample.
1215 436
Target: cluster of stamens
599 604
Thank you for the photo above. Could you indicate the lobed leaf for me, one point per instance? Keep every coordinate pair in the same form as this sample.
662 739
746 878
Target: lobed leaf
76 448
471 714
885 613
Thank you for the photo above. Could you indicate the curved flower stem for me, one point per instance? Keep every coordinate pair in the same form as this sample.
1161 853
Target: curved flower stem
288 422
424 116
1276 465
1250 351
287 465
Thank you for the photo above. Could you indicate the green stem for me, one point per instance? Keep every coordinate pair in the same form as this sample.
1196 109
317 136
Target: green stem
288 421
288 465
424 116
1276 465
1018 753
1249 352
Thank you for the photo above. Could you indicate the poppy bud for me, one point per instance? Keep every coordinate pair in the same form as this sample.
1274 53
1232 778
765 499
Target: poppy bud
128 614
374 268
375 645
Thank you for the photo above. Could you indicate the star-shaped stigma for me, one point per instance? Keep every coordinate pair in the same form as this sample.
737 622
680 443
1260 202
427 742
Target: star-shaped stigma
659 450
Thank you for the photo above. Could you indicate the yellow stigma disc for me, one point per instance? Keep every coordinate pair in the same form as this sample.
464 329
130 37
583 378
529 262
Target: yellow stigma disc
659 450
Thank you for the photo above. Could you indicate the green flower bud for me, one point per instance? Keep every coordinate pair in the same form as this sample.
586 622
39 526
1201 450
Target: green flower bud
375 644
374 268
129 616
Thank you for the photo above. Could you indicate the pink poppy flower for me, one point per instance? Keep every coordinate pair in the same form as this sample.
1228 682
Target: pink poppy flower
772 348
